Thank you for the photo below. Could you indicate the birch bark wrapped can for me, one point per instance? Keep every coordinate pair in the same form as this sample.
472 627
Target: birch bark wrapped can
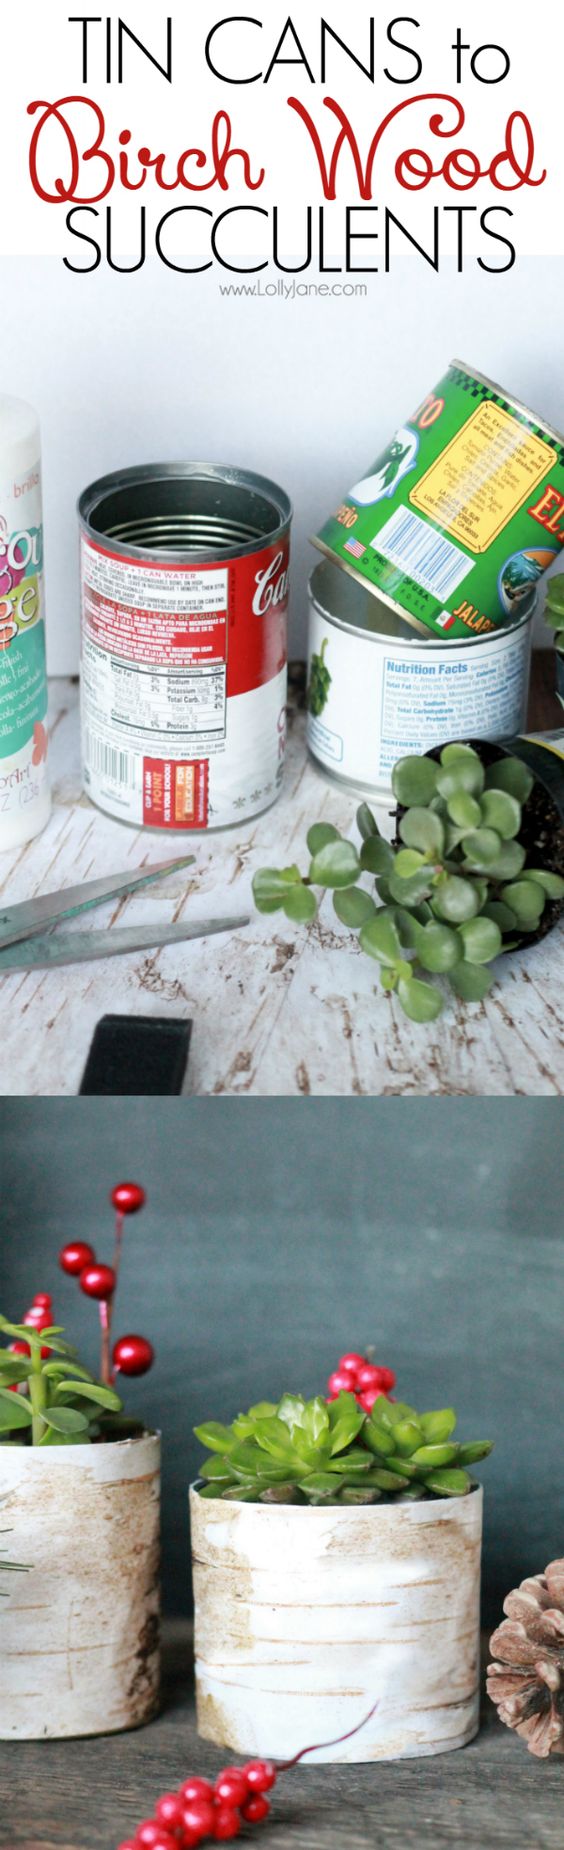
306 1617
79 1630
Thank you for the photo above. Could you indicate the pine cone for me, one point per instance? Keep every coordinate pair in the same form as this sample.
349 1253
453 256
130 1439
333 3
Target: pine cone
527 1683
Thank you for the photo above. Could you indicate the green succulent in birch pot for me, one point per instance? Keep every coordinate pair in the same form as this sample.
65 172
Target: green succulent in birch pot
49 1399
319 1452
461 884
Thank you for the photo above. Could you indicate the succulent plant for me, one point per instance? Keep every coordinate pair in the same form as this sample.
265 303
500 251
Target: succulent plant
48 1398
455 889
315 1452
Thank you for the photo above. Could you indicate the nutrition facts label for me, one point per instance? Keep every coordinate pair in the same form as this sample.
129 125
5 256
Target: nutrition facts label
477 694
147 707
189 702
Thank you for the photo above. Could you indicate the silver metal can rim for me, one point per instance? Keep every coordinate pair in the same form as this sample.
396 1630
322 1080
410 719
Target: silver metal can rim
515 403
409 642
229 474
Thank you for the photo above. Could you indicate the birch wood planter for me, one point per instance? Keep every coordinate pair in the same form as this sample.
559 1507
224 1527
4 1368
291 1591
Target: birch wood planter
79 1631
306 1617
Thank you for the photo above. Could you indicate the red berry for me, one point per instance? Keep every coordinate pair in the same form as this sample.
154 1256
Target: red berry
340 1383
162 1840
388 1379
350 1364
227 1822
73 1258
190 1838
368 1398
255 1810
128 1198
199 1815
369 1377
37 1318
231 1786
194 1789
19 1348
170 1811
130 1845
148 1833
133 1355
98 1281
260 1775
43 1299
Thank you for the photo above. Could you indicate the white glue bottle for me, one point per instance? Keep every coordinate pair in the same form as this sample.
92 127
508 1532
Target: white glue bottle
24 786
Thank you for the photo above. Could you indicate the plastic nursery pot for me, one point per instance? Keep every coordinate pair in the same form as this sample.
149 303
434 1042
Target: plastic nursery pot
542 823
306 1617
79 1631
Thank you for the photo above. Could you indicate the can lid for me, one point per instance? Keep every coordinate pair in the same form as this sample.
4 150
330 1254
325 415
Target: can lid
20 441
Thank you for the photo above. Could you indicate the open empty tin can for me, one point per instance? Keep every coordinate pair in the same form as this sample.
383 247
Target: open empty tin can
184 575
378 691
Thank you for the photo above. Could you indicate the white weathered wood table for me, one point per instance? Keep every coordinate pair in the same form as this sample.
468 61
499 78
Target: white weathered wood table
277 1009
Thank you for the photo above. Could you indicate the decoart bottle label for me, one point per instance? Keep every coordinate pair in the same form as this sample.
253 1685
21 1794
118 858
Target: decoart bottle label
23 682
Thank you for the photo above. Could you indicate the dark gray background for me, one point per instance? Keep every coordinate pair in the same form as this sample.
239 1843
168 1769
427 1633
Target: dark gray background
278 1233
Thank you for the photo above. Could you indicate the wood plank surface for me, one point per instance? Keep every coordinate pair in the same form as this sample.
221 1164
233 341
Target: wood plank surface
90 1795
277 1009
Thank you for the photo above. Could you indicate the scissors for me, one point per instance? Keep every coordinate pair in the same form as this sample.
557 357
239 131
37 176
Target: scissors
29 941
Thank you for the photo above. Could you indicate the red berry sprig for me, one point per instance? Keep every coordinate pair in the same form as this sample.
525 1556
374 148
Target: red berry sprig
38 1317
356 1374
131 1355
199 1810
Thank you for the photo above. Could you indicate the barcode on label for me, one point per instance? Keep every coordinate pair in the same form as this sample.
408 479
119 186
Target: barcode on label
108 761
423 553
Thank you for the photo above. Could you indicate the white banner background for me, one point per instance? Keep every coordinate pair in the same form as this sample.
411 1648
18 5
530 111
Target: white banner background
42 59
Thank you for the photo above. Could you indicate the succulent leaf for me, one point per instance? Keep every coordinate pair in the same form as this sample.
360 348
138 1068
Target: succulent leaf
414 781
354 906
512 775
300 905
319 835
472 982
422 829
419 1001
337 864
366 823
376 856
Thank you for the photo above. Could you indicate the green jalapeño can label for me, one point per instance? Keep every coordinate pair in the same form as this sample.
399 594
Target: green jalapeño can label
457 520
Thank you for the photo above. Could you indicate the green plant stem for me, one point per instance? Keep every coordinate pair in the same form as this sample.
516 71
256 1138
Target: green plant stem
38 1391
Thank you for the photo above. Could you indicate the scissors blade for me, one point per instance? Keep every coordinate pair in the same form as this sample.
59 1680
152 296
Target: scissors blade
81 947
23 920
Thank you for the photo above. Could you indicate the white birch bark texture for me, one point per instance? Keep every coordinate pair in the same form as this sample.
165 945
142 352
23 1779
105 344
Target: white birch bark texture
79 1631
306 1617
